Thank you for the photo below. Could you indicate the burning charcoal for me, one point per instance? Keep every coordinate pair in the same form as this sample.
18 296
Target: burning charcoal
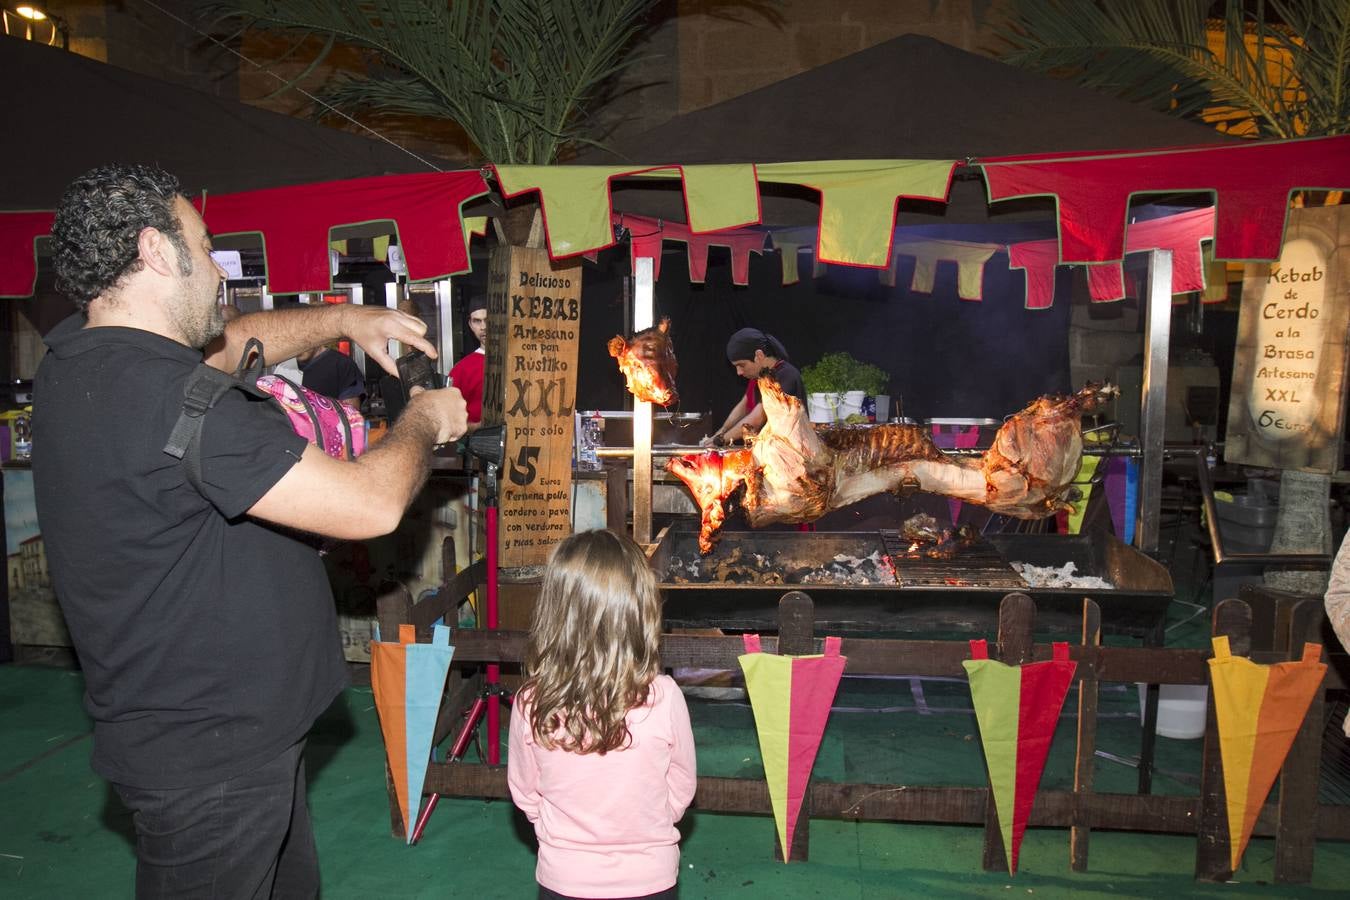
921 527
724 566
1058 577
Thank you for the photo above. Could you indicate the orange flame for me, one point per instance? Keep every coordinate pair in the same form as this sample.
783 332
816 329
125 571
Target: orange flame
711 477
648 364
644 382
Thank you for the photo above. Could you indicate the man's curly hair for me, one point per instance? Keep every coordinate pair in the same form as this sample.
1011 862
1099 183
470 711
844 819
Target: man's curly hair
99 223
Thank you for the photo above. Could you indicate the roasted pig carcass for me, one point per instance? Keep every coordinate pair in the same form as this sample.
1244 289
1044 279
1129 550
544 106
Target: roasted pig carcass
795 472
648 364
712 477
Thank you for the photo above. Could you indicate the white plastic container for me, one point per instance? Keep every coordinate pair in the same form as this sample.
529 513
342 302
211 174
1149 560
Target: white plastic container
850 404
1181 710
821 407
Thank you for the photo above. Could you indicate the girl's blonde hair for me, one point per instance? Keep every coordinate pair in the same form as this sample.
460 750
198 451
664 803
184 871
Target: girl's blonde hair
594 643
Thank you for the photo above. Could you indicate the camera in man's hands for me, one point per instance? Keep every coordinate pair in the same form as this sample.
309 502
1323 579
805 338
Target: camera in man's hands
415 369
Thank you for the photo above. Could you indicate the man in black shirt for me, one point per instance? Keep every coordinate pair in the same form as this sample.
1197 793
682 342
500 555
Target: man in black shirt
206 634
755 354
332 373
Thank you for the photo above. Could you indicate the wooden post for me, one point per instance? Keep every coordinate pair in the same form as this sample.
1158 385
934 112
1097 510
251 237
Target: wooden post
449 559
1149 735
1212 863
796 624
1016 620
447 715
616 494
529 386
1085 758
393 607
1296 827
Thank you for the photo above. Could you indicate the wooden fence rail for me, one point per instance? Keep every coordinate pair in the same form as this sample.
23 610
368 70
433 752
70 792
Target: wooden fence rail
1296 820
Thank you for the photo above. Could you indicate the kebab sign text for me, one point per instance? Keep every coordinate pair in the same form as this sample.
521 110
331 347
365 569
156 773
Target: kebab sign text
1289 369
534 319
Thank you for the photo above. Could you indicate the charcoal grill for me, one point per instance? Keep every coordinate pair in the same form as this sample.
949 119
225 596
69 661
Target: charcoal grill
957 594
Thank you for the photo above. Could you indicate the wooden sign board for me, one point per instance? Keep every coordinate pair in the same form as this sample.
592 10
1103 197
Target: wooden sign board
1287 404
530 386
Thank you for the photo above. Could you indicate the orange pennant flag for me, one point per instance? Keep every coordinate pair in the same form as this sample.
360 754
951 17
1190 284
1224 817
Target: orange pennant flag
1259 710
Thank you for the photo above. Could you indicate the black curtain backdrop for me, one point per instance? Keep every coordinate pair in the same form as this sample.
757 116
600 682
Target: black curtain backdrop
947 357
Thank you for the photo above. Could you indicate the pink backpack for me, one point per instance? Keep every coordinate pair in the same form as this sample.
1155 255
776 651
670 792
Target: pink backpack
337 430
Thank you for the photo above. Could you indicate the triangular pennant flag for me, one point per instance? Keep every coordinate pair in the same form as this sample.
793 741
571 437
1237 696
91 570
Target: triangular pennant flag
1259 710
1122 492
1087 470
791 697
1018 708
408 679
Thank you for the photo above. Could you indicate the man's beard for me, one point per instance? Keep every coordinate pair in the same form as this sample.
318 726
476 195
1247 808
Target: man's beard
203 326
200 323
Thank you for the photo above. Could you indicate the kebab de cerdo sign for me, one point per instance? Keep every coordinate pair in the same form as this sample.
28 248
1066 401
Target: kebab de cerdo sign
534 323
1286 407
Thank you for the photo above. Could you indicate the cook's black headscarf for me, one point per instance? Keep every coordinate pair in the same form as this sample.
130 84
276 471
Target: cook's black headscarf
745 342
475 304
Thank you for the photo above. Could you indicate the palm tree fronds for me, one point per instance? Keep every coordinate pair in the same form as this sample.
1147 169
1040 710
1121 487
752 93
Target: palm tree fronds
517 75
1248 75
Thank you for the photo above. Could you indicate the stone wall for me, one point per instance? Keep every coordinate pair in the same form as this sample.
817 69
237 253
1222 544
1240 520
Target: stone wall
162 44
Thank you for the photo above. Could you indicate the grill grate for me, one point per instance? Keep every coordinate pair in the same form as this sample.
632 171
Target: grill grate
979 564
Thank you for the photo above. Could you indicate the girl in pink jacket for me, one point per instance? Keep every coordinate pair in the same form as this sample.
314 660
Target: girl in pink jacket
601 755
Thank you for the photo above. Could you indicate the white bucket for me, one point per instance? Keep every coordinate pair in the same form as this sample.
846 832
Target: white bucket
850 404
1181 710
821 407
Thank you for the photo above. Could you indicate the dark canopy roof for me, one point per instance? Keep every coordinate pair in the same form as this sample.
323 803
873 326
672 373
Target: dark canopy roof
911 97
66 114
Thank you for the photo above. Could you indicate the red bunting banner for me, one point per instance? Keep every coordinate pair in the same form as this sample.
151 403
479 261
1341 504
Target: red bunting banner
295 223
1251 184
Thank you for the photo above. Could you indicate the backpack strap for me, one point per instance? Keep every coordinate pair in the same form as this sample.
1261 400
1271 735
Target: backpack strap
202 391
252 362
314 422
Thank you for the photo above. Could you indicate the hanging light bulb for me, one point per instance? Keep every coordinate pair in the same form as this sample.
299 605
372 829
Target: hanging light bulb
32 23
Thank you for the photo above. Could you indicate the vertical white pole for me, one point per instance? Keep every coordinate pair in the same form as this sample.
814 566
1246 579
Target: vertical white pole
1153 398
644 311
358 297
445 345
391 298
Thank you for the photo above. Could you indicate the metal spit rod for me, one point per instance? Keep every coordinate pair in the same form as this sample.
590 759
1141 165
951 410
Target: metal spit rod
684 449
